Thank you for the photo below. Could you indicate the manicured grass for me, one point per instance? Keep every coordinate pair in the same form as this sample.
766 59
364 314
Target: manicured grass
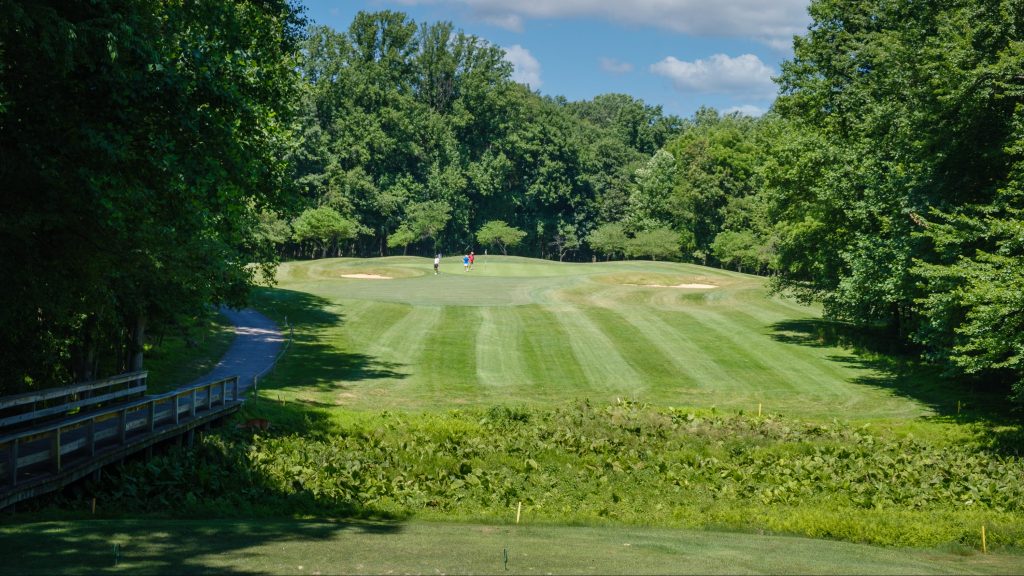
517 330
385 407
300 547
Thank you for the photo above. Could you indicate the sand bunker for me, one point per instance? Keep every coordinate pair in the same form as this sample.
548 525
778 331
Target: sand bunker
366 276
698 286
702 286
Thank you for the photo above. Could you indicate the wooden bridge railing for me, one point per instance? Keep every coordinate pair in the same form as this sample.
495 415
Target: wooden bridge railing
32 407
44 449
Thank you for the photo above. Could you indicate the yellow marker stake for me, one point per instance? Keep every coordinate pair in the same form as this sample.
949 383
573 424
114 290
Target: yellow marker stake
759 409
519 509
984 547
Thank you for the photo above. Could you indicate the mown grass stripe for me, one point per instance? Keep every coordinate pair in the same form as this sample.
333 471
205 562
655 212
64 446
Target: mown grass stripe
775 374
596 353
550 364
674 335
497 349
450 349
654 367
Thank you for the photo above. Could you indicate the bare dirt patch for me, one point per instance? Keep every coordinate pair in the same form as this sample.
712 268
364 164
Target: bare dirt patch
367 276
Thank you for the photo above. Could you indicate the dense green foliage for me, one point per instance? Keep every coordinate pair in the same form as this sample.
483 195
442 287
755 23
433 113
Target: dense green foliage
625 462
900 201
139 141
417 132
159 154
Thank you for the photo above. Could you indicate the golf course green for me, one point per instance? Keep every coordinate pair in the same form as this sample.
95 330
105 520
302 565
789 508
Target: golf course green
388 333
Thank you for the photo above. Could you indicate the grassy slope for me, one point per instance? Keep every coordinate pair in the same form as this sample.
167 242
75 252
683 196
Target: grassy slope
517 331
295 547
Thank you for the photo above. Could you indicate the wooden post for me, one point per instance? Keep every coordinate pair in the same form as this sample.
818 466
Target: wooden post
175 409
91 437
122 422
984 545
192 406
209 397
758 409
519 510
12 463
151 415
56 450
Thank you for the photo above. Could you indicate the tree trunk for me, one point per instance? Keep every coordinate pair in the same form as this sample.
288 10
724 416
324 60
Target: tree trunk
136 342
83 354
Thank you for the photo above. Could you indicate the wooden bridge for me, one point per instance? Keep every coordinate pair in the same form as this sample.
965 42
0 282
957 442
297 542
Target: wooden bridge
53 437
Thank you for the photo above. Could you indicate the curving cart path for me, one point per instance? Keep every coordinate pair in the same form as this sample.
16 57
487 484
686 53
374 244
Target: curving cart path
253 352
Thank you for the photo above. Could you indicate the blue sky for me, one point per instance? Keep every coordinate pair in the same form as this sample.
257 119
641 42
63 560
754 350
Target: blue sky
679 54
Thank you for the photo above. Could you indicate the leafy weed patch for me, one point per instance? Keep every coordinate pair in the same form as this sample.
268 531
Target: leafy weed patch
625 463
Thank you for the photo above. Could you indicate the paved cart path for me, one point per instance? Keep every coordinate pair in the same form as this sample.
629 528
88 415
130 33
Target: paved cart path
252 353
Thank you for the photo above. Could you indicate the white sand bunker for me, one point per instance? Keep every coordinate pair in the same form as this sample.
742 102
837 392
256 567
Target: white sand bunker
366 276
696 286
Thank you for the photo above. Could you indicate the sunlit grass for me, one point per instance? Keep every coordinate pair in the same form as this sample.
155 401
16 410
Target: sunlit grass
519 330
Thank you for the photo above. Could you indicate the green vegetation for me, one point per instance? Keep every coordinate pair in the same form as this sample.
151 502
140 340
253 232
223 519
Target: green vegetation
624 464
160 156
541 383
188 352
885 184
311 547
141 141
517 330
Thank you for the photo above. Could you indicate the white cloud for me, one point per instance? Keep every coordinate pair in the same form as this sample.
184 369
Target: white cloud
526 67
615 66
743 75
774 22
747 110
512 22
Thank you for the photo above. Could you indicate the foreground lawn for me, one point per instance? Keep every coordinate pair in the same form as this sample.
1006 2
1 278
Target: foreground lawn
298 547
518 330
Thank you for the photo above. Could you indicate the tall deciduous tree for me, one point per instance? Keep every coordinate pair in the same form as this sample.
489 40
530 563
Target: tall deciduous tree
916 107
140 141
500 234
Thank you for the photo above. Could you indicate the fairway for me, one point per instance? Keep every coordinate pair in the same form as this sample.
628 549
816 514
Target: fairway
387 333
295 547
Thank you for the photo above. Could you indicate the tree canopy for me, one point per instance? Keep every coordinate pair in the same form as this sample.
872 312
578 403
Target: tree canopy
159 154
140 141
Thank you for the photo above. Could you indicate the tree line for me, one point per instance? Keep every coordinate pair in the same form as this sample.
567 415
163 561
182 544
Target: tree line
157 151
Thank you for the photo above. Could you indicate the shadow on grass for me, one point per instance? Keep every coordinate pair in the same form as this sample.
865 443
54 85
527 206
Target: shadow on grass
825 333
889 365
309 362
298 309
177 547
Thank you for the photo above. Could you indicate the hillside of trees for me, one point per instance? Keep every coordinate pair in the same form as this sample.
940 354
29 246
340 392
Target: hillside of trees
159 158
